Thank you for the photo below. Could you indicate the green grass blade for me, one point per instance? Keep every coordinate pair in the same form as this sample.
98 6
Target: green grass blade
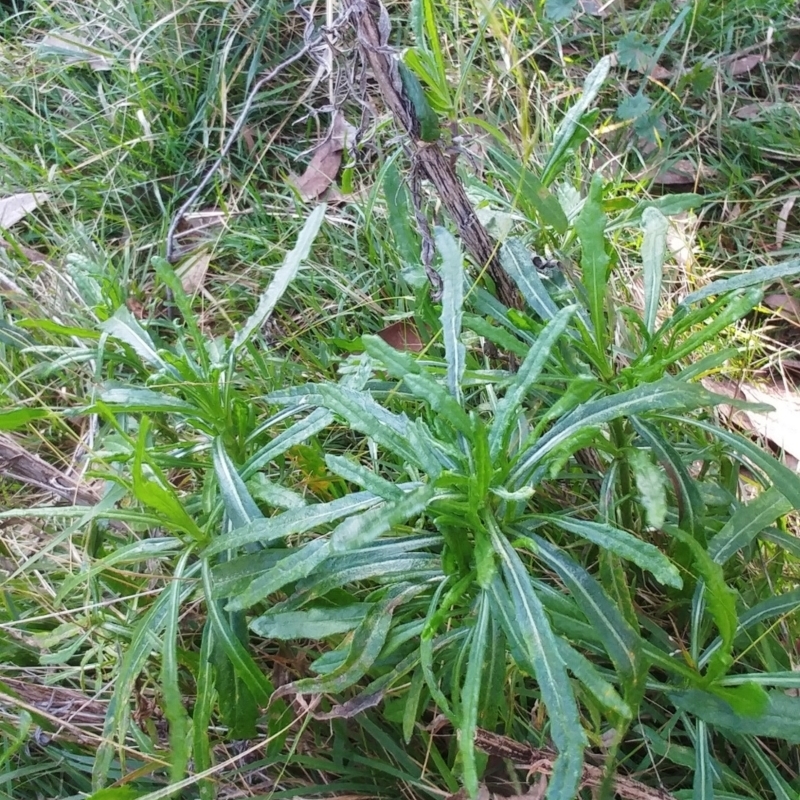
590 227
530 369
201 715
654 251
566 130
174 710
126 328
129 399
282 278
703 782
452 271
623 544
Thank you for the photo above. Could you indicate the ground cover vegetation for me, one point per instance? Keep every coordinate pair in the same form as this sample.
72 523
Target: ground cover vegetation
424 444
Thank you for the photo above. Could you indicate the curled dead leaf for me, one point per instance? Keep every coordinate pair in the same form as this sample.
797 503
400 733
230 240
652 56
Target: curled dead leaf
192 272
326 161
783 219
682 172
745 64
402 335
17 206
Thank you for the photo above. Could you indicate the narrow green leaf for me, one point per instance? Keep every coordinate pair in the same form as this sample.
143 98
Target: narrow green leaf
590 227
509 406
413 697
11 420
720 597
782 605
532 630
516 260
357 532
747 522
293 521
620 640
622 543
134 399
202 713
174 710
756 277
396 194
452 271
300 563
443 403
590 677
363 477
654 251
663 395
780 720
242 662
565 133
283 277
690 504
496 335
703 782
533 196
313 623
471 696
126 328
239 506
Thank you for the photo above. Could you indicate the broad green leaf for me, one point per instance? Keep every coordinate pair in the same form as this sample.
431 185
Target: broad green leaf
259 487
301 562
313 623
239 506
634 51
126 328
748 699
703 781
690 505
558 10
118 793
283 277
624 544
471 696
720 597
397 362
509 406
174 710
11 420
654 251
516 260
294 521
565 133
756 277
452 271
531 629
134 399
590 227
359 531
362 476
663 395
533 197
782 605
590 677
780 720
747 522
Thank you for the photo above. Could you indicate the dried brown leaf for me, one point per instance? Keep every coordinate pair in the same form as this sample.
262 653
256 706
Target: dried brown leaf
753 110
682 173
192 272
745 64
660 73
325 162
402 335
783 218
17 206
787 305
